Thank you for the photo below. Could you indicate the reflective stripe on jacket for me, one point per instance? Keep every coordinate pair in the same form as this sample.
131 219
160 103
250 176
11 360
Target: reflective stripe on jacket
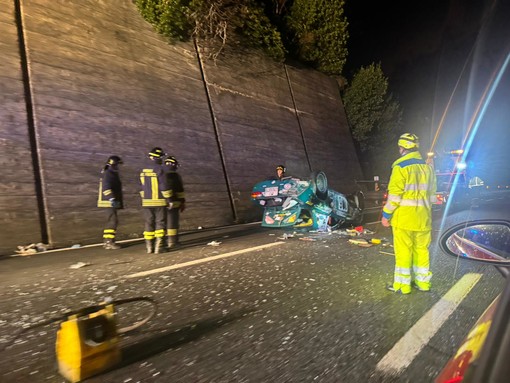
155 191
411 191
110 186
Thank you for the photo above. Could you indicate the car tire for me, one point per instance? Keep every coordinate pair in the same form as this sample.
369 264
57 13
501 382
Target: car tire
320 185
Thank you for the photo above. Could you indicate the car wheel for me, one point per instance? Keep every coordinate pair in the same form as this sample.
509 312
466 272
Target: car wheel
320 185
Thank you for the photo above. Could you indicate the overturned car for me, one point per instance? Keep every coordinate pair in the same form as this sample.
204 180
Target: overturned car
309 203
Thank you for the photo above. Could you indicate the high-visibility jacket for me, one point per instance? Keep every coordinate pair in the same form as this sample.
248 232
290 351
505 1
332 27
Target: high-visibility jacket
411 192
110 187
155 191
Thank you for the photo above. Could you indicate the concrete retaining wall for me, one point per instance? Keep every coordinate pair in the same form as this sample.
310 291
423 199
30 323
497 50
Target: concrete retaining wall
86 79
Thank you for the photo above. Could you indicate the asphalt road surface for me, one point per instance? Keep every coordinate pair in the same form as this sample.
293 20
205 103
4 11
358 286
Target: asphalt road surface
260 306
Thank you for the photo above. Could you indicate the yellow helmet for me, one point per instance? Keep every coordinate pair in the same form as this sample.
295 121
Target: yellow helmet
409 141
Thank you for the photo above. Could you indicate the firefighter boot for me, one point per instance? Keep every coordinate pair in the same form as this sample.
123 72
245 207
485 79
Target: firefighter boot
158 246
109 244
148 246
172 241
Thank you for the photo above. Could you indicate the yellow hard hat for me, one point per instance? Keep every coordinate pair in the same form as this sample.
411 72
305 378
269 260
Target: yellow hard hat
409 141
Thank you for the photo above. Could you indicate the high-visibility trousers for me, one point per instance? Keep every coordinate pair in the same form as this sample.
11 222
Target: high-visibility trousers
412 259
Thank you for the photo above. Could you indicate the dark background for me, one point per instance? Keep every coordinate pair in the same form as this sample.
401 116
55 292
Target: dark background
440 58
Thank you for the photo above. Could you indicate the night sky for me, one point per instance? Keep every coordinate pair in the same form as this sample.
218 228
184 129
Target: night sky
439 50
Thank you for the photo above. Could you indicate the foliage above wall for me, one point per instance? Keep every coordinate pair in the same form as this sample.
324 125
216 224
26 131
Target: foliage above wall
215 23
314 31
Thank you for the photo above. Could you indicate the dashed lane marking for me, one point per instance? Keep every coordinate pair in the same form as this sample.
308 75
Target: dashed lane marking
202 260
410 345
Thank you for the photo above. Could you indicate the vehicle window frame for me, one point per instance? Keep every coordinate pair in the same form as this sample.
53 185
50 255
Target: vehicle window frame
493 365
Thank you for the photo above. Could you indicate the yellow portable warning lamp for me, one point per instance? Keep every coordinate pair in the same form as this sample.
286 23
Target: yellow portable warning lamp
88 339
87 343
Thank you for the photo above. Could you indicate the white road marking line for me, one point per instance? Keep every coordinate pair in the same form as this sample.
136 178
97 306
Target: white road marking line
203 260
406 349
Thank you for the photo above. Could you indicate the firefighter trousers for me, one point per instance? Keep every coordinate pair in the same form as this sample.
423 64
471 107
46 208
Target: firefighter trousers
155 222
172 231
110 228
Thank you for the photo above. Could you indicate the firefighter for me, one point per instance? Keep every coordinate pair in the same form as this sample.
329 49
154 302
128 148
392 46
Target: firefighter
408 210
280 171
177 201
110 197
155 196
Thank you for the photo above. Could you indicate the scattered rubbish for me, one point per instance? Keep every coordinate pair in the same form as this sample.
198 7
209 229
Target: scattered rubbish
79 265
214 243
360 242
286 236
32 248
307 239
366 231
384 252
352 232
359 229
375 241
76 246
200 228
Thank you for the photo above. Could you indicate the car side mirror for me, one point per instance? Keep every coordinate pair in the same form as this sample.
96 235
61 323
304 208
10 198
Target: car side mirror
486 241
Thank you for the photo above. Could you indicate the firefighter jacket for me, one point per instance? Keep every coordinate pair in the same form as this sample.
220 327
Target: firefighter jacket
110 187
154 187
174 181
411 192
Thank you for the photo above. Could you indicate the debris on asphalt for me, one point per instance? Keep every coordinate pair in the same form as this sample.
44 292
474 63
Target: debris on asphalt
76 246
376 241
214 243
79 265
353 232
33 248
308 239
360 242
384 252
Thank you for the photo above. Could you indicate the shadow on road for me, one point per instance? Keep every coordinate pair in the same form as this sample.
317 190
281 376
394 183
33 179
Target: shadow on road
174 337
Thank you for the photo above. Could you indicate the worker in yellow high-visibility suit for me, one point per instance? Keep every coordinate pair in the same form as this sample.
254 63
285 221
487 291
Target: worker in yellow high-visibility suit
408 210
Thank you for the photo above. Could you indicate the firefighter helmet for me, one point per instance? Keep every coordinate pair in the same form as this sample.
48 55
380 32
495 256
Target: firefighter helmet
281 167
114 160
172 161
409 141
156 153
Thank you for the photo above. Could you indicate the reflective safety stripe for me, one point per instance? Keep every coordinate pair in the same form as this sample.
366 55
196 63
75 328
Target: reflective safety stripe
420 270
148 235
403 270
171 232
109 233
167 193
406 280
402 275
394 198
423 278
414 202
107 192
391 204
160 233
415 187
